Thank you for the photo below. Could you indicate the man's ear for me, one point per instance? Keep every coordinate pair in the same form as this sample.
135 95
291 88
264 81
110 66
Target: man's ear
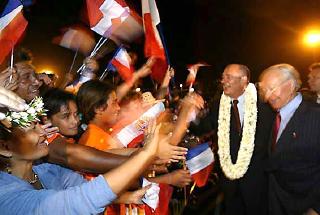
244 79
293 85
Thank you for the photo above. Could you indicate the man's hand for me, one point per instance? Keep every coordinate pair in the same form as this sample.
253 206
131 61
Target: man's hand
44 78
9 79
179 178
170 153
91 65
134 197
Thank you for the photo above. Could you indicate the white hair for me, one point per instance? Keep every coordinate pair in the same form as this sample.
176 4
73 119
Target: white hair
287 71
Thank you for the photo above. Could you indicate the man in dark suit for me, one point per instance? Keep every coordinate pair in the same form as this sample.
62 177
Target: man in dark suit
294 150
242 179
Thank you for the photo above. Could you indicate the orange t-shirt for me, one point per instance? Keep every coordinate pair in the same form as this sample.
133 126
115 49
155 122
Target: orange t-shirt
97 138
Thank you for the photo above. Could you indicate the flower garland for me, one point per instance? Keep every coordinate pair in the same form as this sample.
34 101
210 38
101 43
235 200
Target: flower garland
237 170
31 114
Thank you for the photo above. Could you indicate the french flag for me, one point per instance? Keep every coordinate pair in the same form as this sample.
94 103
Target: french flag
115 20
200 163
128 134
121 62
154 44
12 26
76 38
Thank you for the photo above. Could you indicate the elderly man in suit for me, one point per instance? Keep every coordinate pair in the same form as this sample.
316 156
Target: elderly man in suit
241 122
294 150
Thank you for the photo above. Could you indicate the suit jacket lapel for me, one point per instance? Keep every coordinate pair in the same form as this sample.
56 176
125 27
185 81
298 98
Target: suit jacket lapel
289 132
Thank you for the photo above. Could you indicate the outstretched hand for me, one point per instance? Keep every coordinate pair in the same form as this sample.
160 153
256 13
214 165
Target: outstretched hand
151 137
169 153
193 100
145 70
133 197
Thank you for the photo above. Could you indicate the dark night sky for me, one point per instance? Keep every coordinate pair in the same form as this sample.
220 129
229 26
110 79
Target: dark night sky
257 33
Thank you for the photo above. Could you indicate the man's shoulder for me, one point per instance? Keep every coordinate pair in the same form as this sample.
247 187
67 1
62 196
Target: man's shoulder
308 95
309 109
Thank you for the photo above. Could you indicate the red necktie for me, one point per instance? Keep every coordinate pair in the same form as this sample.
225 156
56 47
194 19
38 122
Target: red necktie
236 115
276 127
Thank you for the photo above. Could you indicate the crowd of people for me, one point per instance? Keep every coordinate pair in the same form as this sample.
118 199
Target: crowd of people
92 147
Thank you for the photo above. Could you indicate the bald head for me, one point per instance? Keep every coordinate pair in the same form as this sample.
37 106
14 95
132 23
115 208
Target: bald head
243 69
235 79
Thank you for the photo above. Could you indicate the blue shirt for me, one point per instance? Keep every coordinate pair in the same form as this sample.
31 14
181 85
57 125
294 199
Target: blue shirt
287 112
64 192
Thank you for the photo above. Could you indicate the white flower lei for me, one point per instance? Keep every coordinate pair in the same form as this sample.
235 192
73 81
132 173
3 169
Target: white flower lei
237 170
31 114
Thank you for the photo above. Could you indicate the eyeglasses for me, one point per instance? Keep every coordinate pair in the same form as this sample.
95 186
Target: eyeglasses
229 77
269 91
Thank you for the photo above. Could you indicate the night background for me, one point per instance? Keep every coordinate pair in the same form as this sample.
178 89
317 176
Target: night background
257 33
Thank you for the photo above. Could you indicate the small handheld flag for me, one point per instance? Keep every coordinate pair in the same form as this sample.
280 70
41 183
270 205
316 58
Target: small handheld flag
12 26
200 163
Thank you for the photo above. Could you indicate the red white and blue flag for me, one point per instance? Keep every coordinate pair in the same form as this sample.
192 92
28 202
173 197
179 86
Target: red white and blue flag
200 163
114 19
122 63
128 134
76 38
154 44
12 26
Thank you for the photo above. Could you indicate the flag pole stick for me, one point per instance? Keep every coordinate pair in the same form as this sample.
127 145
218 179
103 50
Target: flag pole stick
74 59
11 65
97 44
185 187
94 51
109 64
190 87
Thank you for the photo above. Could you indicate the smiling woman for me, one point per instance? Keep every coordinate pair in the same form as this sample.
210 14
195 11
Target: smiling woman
29 189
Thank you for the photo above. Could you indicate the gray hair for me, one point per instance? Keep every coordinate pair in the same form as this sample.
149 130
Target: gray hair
287 71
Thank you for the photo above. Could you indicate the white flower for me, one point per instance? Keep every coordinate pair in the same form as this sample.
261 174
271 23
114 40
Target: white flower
23 114
31 110
15 115
237 170
24 119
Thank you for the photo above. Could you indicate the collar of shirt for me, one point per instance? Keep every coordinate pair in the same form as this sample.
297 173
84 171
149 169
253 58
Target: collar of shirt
287 112
240 106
